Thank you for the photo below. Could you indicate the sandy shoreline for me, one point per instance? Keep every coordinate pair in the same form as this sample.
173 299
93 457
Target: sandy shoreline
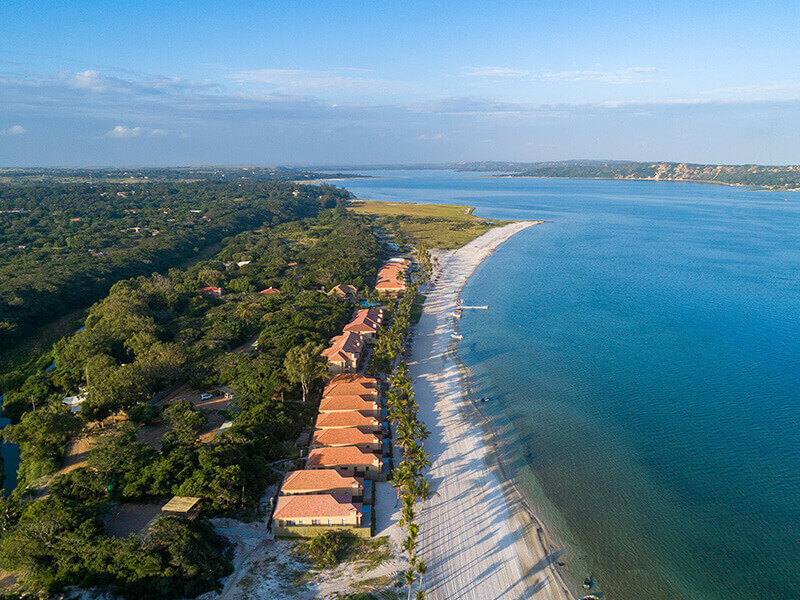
479 537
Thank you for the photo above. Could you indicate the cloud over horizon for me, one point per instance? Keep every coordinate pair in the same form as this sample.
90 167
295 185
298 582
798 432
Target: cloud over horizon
175 120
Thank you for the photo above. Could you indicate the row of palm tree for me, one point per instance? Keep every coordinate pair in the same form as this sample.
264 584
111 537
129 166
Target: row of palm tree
409 477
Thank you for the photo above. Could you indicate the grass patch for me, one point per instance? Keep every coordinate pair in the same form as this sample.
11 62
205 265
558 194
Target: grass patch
330 548
445 226
416 308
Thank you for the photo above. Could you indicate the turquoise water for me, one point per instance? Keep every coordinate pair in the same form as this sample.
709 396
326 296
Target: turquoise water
642 353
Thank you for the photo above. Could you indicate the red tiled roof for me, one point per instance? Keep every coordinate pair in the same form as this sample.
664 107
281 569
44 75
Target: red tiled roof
344 347
339 403
319 480
269 290
318 505
351 385
351 418
341 456
350 436
388 276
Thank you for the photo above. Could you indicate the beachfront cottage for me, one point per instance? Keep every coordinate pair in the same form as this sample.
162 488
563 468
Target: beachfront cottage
366 322
347 436
341 420
306 516
346 292
326 481
349 460
344 353
392 276
364 404
352 385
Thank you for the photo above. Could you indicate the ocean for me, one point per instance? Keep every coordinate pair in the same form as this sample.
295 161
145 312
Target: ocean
642 356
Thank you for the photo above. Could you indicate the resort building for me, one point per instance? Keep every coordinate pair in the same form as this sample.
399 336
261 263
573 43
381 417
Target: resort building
363 404
366 322
306 516
352 385
347 436
349 460
344 353
346 292
344 420
326 481
392 277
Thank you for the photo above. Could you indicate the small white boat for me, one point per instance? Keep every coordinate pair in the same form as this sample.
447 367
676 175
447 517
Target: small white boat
456 336
455 315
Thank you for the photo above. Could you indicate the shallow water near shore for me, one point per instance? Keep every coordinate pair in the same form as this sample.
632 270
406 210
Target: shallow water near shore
641 353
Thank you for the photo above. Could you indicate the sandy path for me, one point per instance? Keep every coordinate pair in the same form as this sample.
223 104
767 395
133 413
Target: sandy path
474 545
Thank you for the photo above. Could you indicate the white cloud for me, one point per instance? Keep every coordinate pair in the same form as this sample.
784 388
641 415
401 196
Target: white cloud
121 131
620 76
492 72
14 130
295 80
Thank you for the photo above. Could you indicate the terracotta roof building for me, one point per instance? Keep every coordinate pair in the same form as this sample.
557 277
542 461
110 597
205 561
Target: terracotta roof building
347 436
352 385
344 353
392 277
340 420
305 516
347 292
321 481
348 460
366 322
363 404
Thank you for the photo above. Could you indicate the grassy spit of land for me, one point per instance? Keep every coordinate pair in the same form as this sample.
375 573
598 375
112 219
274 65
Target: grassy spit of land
442 226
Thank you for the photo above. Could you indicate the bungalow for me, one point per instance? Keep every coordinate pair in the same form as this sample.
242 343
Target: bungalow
348 460
366 322
305 516
269 291
322 481
214 292
344 353
347 436
353 418
346 292
352 385
362 404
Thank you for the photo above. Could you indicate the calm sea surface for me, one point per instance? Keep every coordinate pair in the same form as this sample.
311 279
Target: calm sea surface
642 356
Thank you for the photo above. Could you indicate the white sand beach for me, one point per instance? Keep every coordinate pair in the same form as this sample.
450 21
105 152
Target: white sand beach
476 537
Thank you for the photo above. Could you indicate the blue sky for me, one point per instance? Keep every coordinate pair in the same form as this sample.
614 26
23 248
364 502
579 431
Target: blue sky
152 83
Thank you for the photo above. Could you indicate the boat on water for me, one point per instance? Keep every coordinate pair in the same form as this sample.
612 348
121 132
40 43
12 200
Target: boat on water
455 315
485 399
588 583
456 336
590 597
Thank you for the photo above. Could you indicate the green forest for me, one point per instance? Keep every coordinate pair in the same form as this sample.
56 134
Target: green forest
154 329
62 246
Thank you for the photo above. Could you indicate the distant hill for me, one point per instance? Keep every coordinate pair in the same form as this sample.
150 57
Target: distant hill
771 177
